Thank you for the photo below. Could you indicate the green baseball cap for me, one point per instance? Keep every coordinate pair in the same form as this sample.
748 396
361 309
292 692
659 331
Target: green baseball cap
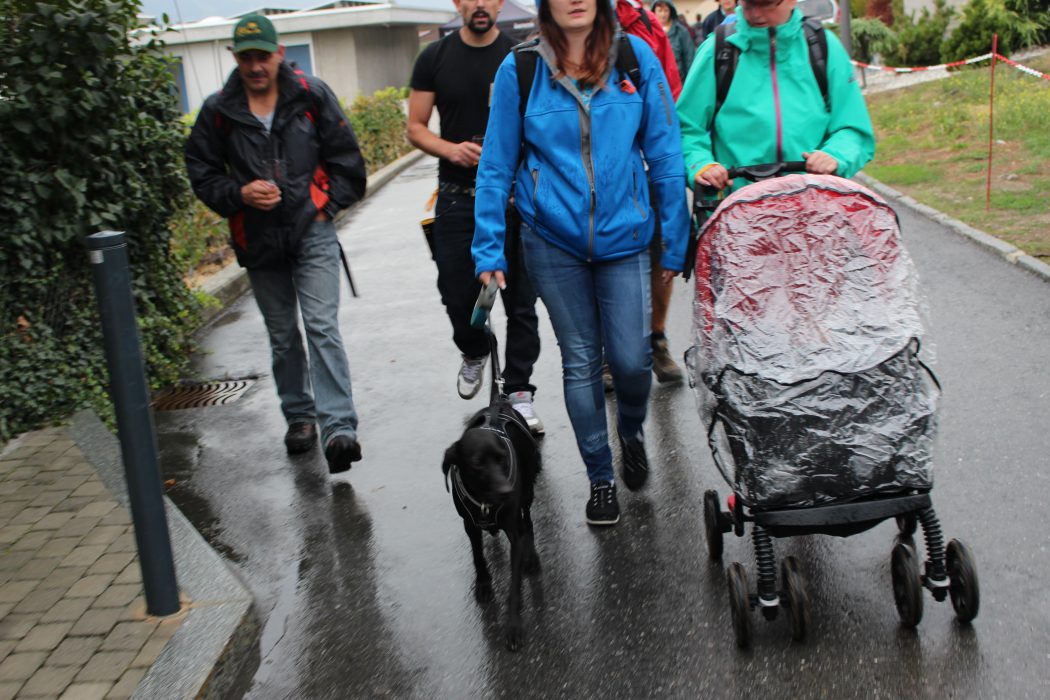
254 33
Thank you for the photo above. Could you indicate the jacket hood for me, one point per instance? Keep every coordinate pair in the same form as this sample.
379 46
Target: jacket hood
670 6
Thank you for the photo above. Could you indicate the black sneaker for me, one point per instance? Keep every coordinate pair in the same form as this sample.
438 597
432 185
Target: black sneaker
301 437
341 452
603 508
635 462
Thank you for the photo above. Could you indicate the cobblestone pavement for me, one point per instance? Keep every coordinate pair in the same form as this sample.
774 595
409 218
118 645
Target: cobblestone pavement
72 613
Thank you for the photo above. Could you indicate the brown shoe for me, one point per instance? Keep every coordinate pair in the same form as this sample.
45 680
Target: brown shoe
342 451
663 365
301 437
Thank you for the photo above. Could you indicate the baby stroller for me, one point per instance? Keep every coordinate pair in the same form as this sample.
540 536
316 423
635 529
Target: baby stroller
820 412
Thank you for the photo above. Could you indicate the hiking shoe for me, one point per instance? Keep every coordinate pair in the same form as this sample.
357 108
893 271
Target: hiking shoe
470 374
603 508
607 380
301 437
635 462
341 452
521 401
664 366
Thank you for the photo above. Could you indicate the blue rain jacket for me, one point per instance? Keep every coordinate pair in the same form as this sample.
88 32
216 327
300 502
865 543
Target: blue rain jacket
581 182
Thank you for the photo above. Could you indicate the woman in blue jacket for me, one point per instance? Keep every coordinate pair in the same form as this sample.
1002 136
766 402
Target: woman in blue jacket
581 186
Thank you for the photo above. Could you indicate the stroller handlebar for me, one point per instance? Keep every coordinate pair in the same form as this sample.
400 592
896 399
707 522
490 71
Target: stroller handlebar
754 173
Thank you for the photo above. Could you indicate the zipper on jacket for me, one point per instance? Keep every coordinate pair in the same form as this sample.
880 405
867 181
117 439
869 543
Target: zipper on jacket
588 165
776 91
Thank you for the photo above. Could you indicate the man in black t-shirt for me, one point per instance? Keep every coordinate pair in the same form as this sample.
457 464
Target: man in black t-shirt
455 74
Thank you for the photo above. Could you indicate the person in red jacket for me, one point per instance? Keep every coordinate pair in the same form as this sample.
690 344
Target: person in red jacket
647 28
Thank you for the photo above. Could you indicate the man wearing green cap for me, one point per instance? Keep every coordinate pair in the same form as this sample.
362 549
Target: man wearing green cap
274 154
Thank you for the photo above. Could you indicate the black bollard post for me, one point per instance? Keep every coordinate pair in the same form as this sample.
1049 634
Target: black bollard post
108 254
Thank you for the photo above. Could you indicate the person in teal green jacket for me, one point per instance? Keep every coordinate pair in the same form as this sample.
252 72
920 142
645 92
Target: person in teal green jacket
774 110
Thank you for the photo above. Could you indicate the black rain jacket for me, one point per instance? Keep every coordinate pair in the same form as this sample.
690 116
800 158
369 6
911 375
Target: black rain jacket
311 141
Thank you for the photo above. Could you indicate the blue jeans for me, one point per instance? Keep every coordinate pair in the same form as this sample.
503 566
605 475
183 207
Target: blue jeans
596 306
318 390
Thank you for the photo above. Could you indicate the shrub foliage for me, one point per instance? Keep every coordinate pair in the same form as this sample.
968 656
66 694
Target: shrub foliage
379 124
983 18
90 142
919 39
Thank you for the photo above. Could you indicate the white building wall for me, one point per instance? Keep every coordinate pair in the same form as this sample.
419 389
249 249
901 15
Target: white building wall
207 65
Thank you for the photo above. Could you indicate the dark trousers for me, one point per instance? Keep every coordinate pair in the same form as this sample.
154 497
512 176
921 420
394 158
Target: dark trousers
451 236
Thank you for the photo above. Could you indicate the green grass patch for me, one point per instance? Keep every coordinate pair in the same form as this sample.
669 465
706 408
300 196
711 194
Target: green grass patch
932 142
904 173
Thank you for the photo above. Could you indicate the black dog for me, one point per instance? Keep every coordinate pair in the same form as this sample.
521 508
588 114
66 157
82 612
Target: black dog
492 469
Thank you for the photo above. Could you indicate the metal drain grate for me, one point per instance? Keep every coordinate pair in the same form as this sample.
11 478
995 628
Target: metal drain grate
199 395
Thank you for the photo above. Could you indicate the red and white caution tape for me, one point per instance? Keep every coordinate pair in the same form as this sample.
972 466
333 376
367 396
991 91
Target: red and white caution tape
917 69
956 64
1023 69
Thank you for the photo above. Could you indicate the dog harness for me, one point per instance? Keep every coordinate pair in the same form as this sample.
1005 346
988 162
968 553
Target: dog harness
486 515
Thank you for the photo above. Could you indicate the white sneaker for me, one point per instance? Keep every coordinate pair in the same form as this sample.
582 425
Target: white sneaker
521 401
471 372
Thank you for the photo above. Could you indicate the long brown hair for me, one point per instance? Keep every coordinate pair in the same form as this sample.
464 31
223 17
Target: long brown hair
596 49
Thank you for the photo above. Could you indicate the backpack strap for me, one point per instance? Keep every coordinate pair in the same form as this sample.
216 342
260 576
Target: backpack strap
627 61
817 41
525 65
312 112
645 19
726 57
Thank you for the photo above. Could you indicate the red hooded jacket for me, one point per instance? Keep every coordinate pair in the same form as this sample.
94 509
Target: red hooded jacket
654 35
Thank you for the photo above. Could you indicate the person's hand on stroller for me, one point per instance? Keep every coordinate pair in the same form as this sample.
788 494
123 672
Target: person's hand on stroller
501 281
713 175
820 163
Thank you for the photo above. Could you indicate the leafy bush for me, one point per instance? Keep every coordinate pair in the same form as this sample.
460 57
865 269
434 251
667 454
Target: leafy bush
870 37
919 40
90 142
1037 10
983 18
199 237
379 123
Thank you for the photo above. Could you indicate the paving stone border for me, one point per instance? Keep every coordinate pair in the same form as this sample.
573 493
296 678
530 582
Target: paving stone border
1006 251
206 655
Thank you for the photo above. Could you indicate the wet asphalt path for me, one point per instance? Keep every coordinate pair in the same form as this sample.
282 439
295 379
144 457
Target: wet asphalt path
364 581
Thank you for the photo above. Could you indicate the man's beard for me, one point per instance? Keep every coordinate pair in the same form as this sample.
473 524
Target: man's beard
480 22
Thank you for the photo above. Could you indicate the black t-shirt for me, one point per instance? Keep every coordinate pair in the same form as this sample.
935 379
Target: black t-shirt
460 77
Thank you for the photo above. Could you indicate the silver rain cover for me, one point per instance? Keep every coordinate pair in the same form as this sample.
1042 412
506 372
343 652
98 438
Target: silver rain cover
807 328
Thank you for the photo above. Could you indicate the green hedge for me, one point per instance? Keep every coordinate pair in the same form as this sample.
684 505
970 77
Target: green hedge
90 142
379 123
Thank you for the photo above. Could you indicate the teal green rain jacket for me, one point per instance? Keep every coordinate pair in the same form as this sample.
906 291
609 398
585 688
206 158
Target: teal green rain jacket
774 110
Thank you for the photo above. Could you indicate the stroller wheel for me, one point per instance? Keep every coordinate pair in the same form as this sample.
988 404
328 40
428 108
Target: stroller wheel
739 604
794 597
907 584
907 524
962 574
712 527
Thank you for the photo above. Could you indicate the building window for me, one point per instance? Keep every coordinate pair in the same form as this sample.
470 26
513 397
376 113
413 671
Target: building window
298 56
180 85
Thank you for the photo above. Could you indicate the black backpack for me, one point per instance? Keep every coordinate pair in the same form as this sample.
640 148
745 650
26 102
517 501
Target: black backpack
727 55
525 62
